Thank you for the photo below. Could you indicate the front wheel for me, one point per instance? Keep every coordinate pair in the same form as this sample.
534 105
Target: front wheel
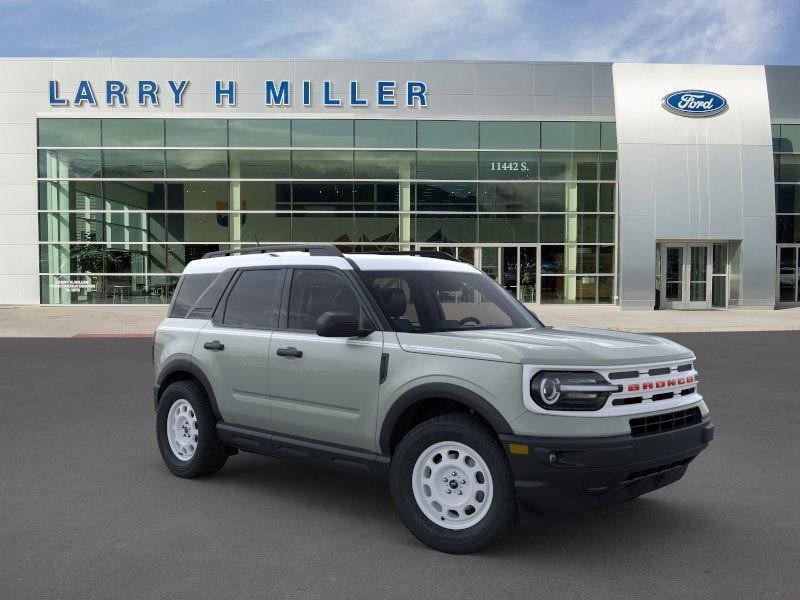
186 431
452 485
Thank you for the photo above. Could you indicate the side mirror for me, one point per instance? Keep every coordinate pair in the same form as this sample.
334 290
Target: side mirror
340 324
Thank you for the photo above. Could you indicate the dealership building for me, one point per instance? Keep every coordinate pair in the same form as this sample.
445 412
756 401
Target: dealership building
640 185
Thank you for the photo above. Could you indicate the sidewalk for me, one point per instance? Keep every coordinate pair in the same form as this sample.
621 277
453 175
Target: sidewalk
136 321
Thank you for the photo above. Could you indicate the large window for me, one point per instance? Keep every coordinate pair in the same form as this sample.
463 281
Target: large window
126 203
786 148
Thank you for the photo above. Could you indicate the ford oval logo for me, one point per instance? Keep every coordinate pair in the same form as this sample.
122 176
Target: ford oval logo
695 103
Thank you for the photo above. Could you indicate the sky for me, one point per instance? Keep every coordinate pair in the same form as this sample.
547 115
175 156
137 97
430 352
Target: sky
680 31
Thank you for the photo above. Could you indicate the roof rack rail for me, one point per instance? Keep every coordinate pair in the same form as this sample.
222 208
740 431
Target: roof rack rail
425 253
312 249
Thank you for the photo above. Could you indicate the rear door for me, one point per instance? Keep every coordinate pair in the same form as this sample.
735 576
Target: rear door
232 348
323 388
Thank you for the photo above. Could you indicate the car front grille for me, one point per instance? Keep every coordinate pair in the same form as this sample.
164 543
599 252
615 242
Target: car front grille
653 424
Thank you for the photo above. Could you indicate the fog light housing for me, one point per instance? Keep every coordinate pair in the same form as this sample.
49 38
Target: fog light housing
571 390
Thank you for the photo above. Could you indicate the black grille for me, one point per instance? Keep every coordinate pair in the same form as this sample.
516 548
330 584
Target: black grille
635 476
666 422
623 375
659 371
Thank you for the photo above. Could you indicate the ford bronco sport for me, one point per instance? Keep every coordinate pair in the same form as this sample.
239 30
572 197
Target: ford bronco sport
423 370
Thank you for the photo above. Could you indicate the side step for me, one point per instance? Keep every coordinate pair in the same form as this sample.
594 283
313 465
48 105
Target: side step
267 443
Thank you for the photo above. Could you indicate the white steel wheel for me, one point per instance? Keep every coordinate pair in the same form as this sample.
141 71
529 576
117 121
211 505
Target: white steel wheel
182 432
452 485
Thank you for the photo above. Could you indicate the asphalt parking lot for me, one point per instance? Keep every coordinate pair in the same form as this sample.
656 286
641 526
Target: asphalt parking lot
87 510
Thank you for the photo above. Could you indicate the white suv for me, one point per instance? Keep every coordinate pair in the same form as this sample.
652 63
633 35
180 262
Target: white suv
424 370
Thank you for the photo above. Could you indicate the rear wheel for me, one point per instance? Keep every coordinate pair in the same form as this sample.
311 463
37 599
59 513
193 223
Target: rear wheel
452 485
186 431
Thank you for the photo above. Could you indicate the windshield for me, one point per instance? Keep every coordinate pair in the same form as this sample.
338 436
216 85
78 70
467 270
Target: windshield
431 301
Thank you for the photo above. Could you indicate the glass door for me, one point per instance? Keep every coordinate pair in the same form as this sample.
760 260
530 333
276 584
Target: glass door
527 274
672 277
686 276
699 277
787 274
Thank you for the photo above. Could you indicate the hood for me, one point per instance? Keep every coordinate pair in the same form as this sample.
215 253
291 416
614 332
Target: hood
565 346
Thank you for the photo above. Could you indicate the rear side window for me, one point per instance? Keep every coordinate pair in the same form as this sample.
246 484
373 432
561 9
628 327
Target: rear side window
189 291
253 301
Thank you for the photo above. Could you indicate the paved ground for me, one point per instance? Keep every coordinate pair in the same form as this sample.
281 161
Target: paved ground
70 321
87 510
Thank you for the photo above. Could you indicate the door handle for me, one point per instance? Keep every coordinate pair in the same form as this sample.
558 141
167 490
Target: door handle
290 351
215 345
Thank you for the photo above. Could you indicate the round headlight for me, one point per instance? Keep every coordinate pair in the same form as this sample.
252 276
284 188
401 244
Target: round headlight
550 390
570 390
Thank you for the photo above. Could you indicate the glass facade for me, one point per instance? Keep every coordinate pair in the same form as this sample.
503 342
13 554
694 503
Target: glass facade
786 148
124 204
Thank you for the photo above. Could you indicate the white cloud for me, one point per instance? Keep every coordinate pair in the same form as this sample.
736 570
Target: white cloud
735 31
716 31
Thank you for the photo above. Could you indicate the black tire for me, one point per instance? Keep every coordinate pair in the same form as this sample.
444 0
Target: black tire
209 456
474 433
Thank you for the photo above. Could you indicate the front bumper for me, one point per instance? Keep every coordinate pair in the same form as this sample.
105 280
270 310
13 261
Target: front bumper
566 475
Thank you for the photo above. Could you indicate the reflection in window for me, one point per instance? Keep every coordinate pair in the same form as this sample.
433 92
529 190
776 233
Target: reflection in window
133 164
445 228
509 134
461 197
260 164
384 133
322 133
197 133
508 197
447 134
447 165
258 133
385 165
518 228
197 164
67 164
66 133
133 132
322 164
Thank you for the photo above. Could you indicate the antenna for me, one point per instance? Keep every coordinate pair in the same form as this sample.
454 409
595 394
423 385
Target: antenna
257 242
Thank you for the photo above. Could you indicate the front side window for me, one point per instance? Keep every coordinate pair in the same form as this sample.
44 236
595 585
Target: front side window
436 301
253 301
315 292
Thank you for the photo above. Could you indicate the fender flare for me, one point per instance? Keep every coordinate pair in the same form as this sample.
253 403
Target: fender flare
446 391
187 366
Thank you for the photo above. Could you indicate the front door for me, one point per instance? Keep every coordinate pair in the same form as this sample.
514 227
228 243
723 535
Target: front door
686 276
324 388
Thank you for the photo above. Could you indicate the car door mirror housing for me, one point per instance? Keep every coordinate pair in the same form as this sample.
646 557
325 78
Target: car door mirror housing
340 324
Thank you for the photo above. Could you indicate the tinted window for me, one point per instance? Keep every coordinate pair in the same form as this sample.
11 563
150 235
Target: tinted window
258 133
133 132
189 291
253 301
69 132
315 292
197 132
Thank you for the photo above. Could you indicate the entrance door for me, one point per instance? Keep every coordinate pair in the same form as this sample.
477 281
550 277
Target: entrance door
686 276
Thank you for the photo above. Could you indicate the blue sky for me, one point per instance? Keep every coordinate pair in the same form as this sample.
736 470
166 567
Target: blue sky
713 31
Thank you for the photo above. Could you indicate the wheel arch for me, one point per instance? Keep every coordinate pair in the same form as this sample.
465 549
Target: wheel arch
181 369
412 401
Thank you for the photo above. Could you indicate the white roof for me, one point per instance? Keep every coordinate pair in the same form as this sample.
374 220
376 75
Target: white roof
365 262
